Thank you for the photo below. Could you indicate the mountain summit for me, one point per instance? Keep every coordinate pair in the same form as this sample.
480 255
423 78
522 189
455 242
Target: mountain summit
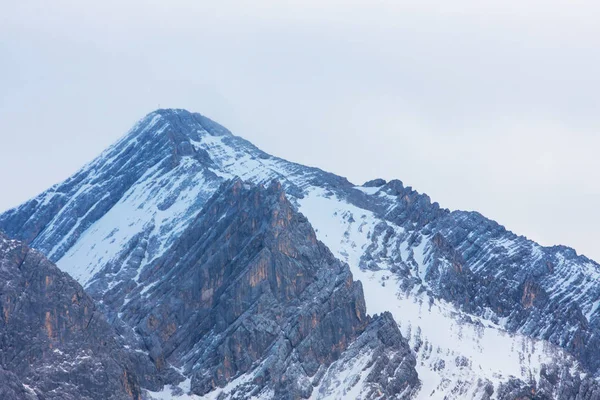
148 229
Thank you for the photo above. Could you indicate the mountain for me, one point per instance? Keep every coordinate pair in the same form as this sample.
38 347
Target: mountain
487 313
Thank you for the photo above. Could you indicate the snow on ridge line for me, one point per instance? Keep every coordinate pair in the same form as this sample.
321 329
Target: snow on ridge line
467 351
137 212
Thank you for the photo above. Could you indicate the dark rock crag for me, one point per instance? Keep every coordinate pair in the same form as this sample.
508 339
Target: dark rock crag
54 343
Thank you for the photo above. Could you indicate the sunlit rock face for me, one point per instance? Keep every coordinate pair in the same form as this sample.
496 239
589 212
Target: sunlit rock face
521 319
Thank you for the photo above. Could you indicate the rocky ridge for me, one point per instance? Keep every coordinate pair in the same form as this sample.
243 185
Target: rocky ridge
248 293
121 213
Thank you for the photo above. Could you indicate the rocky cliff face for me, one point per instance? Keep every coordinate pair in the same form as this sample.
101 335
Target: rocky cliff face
248 294
54 344
246 302
487 313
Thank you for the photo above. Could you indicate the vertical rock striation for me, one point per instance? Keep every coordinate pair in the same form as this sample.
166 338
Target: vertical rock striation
54 343
248 291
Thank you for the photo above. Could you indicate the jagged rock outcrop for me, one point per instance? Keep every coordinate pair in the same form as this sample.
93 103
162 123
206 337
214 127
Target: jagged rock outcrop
249 290
375 183
54 344
546 293
389 367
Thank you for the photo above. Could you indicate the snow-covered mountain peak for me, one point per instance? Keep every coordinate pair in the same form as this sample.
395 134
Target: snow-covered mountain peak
429 266
176 130
187 123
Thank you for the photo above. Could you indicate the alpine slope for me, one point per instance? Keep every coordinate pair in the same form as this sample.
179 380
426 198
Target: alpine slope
173 228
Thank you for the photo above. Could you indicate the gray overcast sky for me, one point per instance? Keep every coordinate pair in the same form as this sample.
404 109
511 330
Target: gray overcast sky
485 105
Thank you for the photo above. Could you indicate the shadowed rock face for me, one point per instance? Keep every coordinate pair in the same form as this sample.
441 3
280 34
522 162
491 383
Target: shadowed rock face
249 289
390 370
52 338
